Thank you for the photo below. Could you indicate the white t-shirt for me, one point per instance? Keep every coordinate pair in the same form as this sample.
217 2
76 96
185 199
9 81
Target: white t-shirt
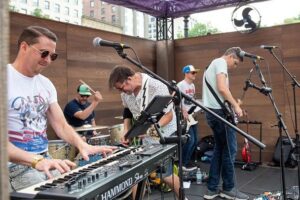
28 101
217 66
188 89
150 88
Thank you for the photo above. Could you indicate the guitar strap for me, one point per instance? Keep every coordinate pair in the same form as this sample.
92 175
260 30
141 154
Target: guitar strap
215 95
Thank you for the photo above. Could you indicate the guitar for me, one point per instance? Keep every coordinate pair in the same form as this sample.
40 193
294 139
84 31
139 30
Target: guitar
230 114
246 152
190 122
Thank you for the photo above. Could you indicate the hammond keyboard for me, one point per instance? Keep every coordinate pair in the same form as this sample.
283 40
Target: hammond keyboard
104 179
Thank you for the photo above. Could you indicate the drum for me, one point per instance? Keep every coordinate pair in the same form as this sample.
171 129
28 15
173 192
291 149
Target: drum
59 149
100 140
116 133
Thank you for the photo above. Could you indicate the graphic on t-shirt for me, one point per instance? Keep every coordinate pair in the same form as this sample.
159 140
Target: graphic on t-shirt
32 114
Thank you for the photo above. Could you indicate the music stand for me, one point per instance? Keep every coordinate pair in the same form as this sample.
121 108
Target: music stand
151 115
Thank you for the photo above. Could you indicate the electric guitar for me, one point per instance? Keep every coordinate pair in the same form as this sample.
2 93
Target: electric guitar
190 122
231 116
246 152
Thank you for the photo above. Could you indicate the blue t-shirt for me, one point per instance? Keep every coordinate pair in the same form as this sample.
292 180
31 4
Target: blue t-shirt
74 106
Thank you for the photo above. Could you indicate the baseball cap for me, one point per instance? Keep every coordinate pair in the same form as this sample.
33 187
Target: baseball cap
84 90
189 68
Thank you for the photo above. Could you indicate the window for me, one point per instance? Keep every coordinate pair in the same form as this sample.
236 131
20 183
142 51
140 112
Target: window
75 13
76 2
91 13
113 9
92 3
47 5
102 11
56 8
67 11
113 19
35 3
24 11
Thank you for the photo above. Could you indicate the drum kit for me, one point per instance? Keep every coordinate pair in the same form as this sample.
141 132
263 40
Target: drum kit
59 149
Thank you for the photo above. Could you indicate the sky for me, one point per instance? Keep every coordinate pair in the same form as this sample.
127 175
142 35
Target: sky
272 12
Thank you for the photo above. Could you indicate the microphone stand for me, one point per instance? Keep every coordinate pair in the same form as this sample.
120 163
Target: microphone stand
179 94
281 125
294 84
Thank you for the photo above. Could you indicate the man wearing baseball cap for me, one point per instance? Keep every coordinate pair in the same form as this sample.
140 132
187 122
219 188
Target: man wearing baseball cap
80 111
187 87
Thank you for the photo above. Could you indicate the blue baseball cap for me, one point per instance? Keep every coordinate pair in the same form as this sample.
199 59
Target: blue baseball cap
189 68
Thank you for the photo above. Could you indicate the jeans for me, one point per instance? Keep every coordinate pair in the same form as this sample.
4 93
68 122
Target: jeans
21 176
224 153
190 146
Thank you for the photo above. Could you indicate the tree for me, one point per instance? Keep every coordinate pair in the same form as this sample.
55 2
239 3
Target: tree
200 29
292 20
39 13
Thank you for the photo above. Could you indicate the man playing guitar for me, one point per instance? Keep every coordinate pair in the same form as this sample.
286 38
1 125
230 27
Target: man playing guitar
187 87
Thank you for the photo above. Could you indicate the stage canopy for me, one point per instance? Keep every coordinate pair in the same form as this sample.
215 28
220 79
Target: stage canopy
176 8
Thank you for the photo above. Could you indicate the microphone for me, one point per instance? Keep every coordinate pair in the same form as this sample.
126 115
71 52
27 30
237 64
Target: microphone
100 42
268 47
245 54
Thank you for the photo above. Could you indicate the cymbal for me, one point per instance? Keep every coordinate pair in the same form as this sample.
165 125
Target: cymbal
89 128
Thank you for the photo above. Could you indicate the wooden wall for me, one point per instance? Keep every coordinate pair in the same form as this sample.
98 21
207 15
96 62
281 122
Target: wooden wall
200 51
78 59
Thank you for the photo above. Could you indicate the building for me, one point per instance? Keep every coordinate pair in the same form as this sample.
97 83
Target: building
65 11
102 11
133 22
151 28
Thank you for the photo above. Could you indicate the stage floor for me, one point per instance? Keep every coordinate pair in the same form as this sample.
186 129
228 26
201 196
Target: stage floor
262 179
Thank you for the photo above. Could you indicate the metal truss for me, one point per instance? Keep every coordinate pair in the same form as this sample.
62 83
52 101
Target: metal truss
164 29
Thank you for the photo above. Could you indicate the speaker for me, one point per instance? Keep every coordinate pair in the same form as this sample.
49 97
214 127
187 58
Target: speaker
286 149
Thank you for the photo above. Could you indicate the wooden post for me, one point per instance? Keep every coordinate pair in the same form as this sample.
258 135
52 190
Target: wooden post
4 50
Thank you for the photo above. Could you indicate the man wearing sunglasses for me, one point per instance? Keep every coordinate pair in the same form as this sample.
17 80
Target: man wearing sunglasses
187 87
32 104
79 111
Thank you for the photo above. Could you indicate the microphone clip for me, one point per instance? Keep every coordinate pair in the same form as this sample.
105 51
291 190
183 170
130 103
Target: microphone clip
264 90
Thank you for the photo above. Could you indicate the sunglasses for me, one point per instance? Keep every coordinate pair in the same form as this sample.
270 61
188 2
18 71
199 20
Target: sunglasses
46 53
193 73
83 96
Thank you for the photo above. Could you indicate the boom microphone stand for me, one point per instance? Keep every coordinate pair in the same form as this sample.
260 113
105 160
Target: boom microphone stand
294 84
179 128
281 125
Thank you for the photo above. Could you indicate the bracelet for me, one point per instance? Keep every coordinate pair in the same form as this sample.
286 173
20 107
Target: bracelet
36 159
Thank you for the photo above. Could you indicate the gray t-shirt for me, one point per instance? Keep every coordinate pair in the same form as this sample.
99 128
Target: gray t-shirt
216 67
